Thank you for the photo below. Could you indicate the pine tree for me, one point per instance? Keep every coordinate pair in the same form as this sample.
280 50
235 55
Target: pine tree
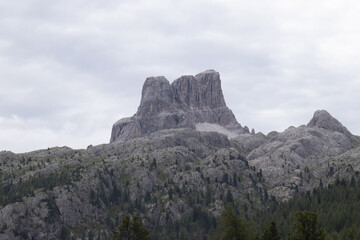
357 236
271 232
131 228
233 227
307 227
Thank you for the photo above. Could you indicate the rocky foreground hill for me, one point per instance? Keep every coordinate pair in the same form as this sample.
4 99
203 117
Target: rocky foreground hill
175 163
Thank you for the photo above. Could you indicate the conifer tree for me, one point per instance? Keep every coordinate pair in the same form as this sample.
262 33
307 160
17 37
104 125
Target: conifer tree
357 236
306 227
233 227
271 232
131 228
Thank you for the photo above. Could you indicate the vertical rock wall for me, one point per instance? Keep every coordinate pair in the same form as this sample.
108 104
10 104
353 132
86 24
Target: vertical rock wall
184 103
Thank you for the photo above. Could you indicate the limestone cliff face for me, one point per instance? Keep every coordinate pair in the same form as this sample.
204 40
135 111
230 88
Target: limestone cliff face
186 102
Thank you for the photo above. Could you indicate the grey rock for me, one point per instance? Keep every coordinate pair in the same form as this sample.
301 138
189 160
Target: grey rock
322 119
272 134
249 142
161 175
7 156
160 172
294 158
184 103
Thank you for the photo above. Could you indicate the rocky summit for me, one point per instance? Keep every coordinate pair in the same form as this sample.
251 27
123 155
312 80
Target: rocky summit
195 102
175 164
299 158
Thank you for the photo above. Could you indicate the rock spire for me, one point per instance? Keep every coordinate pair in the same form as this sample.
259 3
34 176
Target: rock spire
188 101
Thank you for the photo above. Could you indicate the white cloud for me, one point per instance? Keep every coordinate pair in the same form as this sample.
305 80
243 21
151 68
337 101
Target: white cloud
69 69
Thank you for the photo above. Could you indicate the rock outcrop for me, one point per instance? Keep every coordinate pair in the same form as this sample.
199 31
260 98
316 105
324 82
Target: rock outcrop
322 119
188 101
290 160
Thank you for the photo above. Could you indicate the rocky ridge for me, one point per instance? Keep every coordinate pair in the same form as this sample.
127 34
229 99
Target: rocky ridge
290 161
175 163
162 177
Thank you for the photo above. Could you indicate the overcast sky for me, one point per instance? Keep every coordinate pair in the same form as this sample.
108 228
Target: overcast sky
69 69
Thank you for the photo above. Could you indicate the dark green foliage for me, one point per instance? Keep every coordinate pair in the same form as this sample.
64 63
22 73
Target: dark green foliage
91 235
229 197
53 211
357 236
197 223
147 197
225 178
337 207
11 193
235 180
271 232
233 227
131 228
21 234
65 233
153 165
306 227
170 192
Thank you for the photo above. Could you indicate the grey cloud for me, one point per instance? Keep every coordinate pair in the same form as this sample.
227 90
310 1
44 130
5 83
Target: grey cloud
69 69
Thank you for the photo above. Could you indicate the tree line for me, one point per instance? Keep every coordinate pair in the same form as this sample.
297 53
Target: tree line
331 212
234 227
337 207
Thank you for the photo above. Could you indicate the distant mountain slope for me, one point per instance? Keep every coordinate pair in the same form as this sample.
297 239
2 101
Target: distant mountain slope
175 164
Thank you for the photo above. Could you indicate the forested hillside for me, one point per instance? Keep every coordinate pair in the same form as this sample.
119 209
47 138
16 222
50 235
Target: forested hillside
337 207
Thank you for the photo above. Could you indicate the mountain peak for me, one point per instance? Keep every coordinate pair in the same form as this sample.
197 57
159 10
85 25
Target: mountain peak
156 95
208 73
323 119
184 103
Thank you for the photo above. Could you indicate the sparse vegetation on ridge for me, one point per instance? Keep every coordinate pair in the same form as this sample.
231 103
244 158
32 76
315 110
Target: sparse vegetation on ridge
179 180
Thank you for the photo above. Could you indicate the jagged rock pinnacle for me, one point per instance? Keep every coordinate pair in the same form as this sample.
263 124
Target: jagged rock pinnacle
188 101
